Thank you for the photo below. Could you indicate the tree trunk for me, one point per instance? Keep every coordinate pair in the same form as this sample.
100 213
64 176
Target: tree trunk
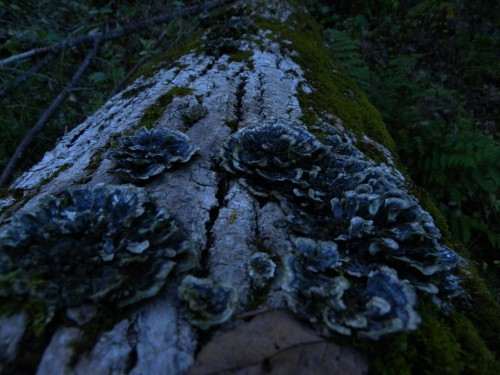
243 81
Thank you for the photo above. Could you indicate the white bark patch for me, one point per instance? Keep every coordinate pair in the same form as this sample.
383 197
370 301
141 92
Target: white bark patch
56 358
233 244
164 343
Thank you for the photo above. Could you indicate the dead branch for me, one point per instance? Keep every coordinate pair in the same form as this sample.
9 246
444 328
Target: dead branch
19 80
116 33
21 148
136 67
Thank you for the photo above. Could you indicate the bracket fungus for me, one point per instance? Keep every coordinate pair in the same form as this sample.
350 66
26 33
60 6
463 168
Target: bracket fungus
207 303
261 270
364 249
269 156
92 244
148 153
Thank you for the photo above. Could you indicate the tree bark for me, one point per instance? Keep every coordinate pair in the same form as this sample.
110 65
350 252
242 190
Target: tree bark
224 220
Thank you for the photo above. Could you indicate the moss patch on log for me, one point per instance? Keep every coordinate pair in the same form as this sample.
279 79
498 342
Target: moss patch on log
154 111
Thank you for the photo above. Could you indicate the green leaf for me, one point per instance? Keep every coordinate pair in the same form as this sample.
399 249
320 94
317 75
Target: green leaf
97 77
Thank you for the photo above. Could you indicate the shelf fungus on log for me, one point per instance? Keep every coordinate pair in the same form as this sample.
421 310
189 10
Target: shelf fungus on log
206 302
261 270
273 156
148 153
92 244
364 249
373 306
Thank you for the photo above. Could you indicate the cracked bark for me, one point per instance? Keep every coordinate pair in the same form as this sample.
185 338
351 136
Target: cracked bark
226 224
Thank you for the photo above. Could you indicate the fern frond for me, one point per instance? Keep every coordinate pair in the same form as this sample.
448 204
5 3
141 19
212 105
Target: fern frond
347 53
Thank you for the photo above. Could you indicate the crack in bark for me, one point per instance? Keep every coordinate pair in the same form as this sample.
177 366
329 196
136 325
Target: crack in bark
132 338
240 93
220 195
207 68
261 89
234 124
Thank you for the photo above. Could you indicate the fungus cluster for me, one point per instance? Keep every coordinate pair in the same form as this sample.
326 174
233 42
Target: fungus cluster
274 159
363 247
261 270
206 302
92 244
148 153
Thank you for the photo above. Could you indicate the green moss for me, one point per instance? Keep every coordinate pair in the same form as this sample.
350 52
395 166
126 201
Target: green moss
482 315
17 194
167 59
427 201
154 111
133 92
371 151
151 115
484 311
37 317
474 353
242 56
107 318
442 345
332 93
94 163
51 177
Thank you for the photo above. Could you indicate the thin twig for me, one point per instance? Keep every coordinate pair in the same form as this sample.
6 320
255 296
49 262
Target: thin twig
135 68
19 80
116 33
21 148
141 62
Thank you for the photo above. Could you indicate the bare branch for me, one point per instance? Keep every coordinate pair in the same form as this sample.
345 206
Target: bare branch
7 172
141 62
19 80
135 68
116 33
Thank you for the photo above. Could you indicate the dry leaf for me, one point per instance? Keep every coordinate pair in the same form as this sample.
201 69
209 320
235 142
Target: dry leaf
276 343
